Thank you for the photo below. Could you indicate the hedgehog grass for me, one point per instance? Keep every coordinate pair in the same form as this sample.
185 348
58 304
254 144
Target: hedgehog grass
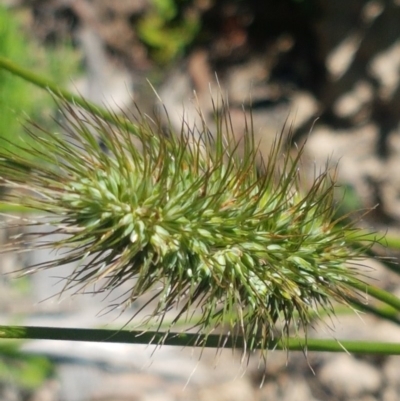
189 216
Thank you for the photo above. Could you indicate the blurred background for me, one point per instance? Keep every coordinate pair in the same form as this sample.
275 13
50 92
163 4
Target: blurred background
330 69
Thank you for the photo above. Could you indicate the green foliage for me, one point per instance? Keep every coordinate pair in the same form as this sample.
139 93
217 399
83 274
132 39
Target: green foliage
26 371
18 100
168 29
348 200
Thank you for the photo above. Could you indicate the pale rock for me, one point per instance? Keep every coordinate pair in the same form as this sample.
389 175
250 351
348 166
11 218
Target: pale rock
340 58
296 389
351 103
348 377
131 386
237 390
48 391
286 388
385 67
365 398
351 149
390 394
391 370
269 391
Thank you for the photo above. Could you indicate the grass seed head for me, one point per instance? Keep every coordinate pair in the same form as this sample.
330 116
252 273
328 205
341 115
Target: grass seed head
191 217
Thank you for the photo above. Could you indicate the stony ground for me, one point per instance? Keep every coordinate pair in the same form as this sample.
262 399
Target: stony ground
349 132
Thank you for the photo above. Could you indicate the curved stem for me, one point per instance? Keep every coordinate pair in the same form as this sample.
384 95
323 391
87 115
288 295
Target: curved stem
192 340
64 94
377 293
385 312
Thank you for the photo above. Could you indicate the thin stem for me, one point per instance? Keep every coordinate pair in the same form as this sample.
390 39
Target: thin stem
377 293
385 312
191 340
44 83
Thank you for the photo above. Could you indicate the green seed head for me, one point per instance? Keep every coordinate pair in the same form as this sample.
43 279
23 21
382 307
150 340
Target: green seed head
191 217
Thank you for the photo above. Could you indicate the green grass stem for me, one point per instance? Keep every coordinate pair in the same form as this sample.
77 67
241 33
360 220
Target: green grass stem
190 339
54 89
378 293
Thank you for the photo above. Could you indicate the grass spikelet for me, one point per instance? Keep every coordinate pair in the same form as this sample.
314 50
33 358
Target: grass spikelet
190 217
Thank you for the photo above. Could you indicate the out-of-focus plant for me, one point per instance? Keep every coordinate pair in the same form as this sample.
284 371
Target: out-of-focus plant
17 100
25 371
188 218
168 28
